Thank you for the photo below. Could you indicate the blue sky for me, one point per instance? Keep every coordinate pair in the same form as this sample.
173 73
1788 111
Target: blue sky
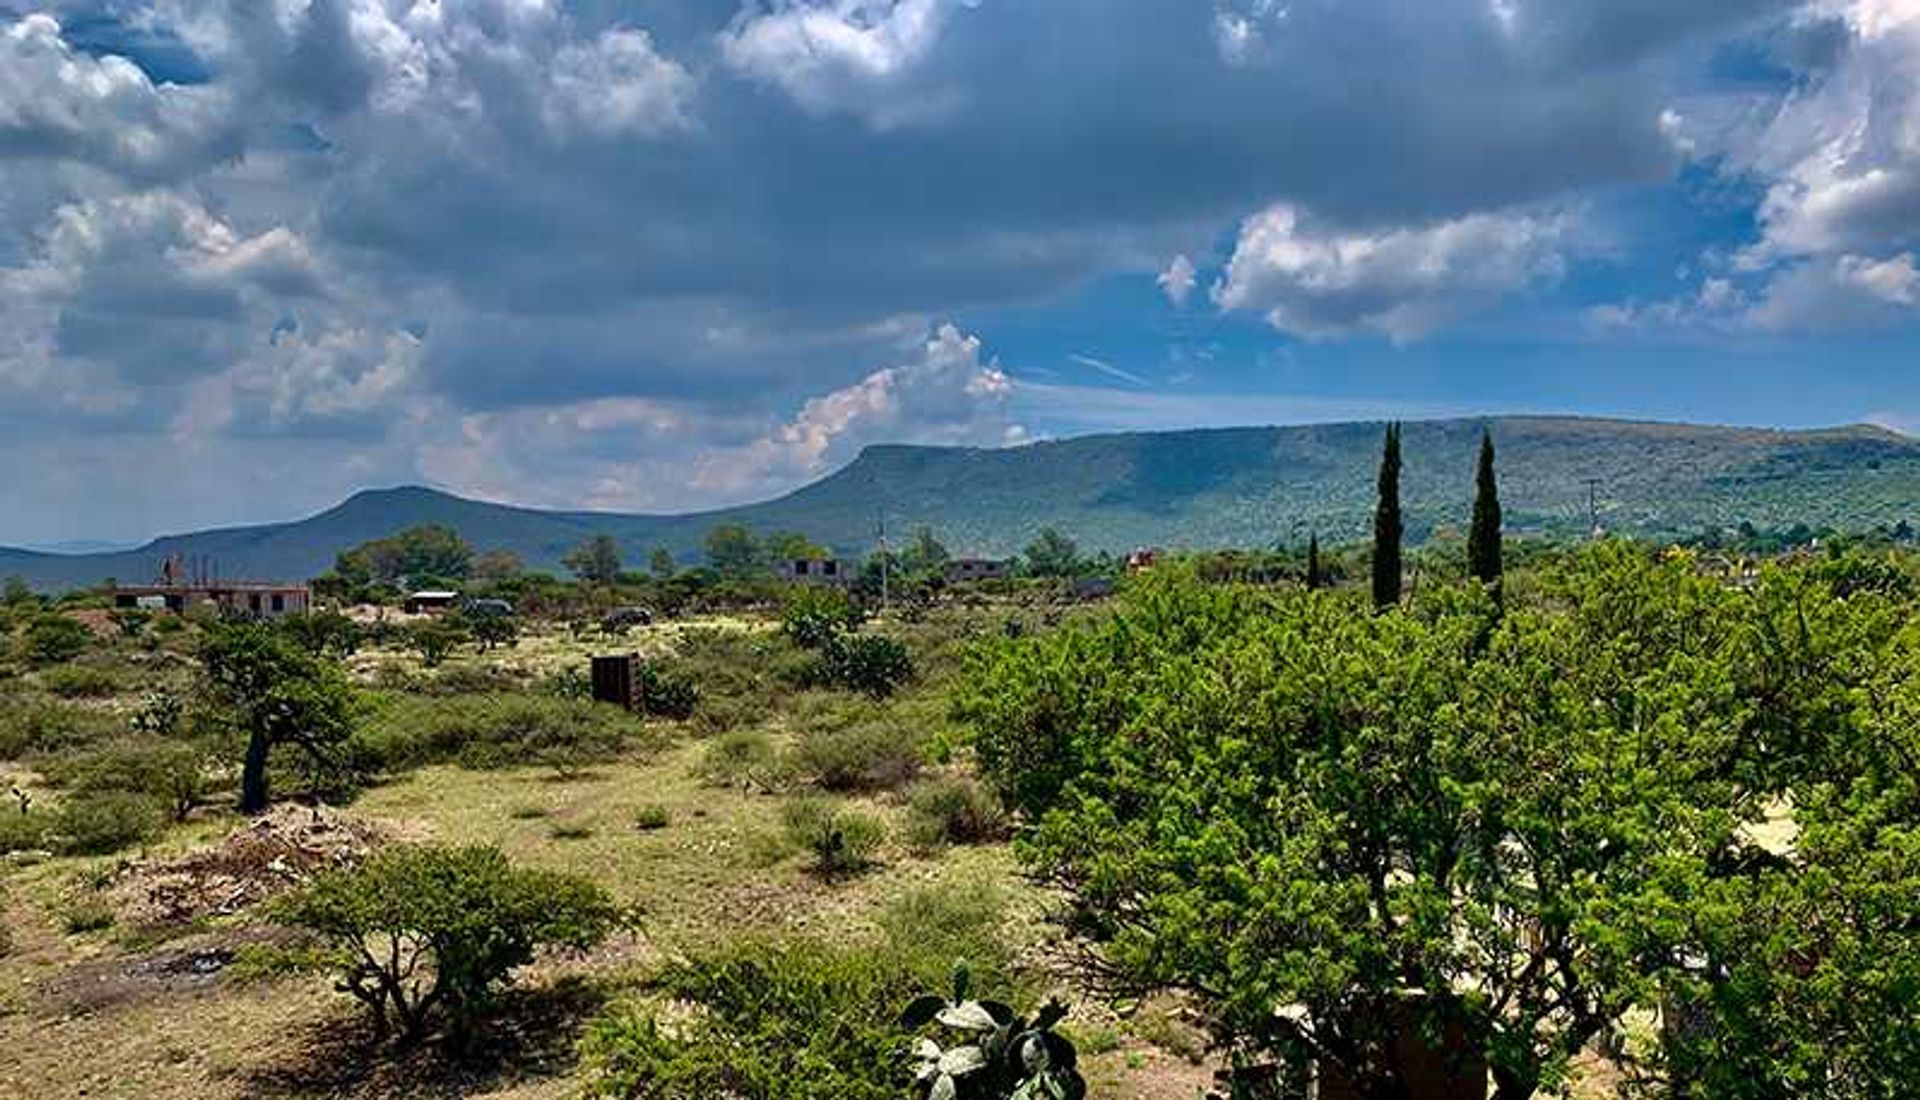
663 254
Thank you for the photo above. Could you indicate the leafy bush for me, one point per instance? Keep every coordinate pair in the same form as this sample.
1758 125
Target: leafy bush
435 638
870 663
665 694
88 913
651 817
51 639
867 756
842 840
325 633
802 1020
80 682
100 822
1004 1056
743 758
427 932
172 773
22 832
492 731
954 811
32 724
813 617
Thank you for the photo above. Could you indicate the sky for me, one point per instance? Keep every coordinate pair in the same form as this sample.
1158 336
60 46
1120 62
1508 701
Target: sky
657 255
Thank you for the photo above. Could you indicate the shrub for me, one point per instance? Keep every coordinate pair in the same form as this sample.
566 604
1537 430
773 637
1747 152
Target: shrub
954 811
652 816
465 916
172 773
52 639
324 633
813 617
22 832
100 822
841 839
569 830
867 756
870 663
665 694
743 758
492 731
998 1056
32 724
87 914
79 682
435 639
159 714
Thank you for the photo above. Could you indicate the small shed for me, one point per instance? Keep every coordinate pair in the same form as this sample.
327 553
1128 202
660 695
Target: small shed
616 679
431 601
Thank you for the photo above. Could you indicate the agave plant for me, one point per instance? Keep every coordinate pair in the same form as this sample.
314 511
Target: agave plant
999 1054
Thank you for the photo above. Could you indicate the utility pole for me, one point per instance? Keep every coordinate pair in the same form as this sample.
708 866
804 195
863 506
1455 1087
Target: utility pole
884 563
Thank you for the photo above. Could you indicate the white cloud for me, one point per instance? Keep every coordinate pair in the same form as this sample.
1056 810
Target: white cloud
618 84
1178 280
60 104
841 55
1399 282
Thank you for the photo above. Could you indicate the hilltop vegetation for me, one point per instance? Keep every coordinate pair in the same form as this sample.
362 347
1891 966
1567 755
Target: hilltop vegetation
1193 489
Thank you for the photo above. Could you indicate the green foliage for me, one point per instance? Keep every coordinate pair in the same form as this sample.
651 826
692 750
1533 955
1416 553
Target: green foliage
160 713
1483 546
842 839
275 693
80 681
53 638
324 633
596 561
871 755
812 616
666 694
32 724
495 730
870 663
172 774
100 822
436 637
743 758
132 621
428 933
418 553
22 831
1003 1056
492 629
954 811
1052 555
1388 528
1538 819
652 817
733 552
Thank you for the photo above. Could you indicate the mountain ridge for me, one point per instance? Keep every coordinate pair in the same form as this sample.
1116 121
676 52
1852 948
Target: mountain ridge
1189 488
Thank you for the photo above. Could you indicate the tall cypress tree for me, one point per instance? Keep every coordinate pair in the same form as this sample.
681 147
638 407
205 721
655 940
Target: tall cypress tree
1483 545
1387 529
1315 579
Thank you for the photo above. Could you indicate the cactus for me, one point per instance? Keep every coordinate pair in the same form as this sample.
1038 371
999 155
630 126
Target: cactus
1001 1055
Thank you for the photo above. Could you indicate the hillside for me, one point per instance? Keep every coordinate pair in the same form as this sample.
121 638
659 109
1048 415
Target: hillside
1233 486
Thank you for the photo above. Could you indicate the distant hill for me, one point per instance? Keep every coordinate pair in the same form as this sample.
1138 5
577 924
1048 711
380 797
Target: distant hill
1213 487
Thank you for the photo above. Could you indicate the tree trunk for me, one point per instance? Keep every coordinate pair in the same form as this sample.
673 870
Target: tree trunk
253 776
1513 1086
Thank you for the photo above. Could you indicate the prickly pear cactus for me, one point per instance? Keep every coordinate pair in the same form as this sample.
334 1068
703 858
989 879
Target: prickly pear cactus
993 1053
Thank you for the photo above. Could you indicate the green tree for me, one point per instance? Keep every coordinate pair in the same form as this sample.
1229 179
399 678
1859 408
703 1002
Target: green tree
432 550
1483 547
274 692
597 560
924 554
425 933
733 552
16 593
661 564
1387 531
497 566
1052 555
436 637
1315 578
492 629
793 546
53 639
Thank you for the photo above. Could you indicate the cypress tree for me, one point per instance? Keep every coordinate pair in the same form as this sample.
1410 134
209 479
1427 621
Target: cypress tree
1387 528
1315 579
1483 545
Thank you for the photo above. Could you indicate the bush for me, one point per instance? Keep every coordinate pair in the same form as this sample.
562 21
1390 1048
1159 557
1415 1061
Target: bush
435 639
100 822
52 639
813 617
324 633
22 832
954 811
172 773
650 817
80 682
493 731
35 724
870 663
743 758
465 915
867 756
802 1020
996 1054
664 694
841 839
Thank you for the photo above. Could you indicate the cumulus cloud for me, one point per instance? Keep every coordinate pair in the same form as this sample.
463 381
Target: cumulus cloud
1321 282
842 55
1178 280
57 103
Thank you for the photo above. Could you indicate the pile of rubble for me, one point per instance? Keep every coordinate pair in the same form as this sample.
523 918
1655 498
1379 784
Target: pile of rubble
267 856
